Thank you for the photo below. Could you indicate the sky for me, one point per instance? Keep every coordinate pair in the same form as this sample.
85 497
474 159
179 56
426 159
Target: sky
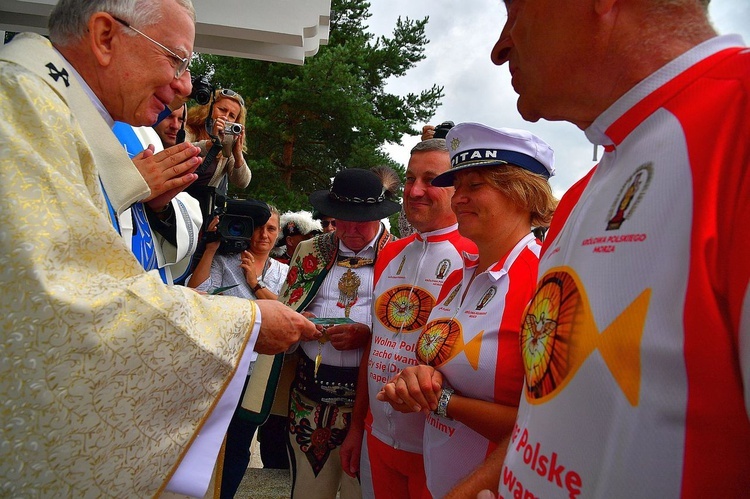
461 35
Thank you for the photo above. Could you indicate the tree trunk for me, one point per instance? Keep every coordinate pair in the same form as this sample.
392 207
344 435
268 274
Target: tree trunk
286 161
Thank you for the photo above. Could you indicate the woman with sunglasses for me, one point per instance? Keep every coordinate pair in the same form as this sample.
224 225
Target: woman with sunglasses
469 376
229 164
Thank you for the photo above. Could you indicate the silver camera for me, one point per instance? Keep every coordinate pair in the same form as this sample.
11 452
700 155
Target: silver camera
232 128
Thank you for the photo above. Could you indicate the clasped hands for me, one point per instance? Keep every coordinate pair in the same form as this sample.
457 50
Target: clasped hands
415 389
167 172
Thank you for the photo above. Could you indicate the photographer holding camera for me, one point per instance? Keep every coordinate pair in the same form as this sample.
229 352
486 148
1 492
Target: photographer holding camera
226 123
231 258
237 254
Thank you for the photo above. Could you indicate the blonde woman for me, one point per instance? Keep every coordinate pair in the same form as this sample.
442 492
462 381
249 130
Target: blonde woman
229 164
470 373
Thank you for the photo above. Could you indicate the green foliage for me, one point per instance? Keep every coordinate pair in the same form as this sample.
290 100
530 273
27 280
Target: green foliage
305 123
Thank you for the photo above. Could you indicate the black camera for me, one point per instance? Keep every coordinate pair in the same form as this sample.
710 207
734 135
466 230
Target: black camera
237 221
442 129
203 89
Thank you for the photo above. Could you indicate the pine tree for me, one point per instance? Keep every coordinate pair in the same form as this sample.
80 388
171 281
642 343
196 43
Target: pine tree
305 123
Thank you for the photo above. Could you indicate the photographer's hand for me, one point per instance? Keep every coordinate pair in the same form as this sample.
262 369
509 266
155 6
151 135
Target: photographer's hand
218 128
428 132
203 269
239 143
167 172
213 227
247 264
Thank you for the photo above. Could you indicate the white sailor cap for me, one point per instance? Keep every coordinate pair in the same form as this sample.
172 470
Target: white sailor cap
474 145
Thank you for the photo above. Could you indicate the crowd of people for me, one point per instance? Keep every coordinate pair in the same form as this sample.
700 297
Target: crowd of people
504 344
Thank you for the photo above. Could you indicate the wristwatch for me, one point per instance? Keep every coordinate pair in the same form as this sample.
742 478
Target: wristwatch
259 286
442 406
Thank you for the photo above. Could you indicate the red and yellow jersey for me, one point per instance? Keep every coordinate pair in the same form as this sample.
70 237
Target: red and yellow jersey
636 343
408 277
472 339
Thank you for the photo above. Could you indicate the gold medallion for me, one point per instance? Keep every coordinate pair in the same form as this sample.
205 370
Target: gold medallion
348 290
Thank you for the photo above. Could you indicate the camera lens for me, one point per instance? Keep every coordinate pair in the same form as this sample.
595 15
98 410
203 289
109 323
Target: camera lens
232 128
202 96
237 228
201 90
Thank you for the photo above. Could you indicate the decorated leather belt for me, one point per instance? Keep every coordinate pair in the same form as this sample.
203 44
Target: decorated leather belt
332 385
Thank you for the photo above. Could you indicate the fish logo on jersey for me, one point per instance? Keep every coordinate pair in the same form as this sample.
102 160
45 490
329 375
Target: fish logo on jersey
559 334
404 309
630 196
442 340
442 269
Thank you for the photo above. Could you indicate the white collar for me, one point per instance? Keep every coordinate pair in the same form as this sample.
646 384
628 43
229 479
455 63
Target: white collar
438 232
89 93
596 133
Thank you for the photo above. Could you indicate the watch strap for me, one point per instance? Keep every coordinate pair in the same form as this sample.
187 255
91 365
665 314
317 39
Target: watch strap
442 406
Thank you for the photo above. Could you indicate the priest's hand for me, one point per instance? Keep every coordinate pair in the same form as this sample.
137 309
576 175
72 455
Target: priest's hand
281 327
168 172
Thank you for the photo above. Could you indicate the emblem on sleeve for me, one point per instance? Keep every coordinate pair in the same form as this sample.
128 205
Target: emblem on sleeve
56 74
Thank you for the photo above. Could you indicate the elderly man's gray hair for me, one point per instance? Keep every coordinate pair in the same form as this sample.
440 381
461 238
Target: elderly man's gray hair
69 19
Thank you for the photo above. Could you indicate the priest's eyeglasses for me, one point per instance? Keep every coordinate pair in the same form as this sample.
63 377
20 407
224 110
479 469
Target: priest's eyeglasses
180 63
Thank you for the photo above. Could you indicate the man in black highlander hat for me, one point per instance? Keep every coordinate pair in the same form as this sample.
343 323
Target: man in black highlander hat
331 278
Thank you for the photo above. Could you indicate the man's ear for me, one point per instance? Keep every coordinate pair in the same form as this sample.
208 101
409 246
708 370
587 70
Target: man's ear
102 37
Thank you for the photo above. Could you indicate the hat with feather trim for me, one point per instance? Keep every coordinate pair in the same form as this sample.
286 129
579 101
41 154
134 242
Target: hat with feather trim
297 222
356 195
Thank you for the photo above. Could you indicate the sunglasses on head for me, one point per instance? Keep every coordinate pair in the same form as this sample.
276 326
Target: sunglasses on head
232 94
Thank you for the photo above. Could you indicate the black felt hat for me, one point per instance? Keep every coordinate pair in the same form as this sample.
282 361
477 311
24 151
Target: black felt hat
356 195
